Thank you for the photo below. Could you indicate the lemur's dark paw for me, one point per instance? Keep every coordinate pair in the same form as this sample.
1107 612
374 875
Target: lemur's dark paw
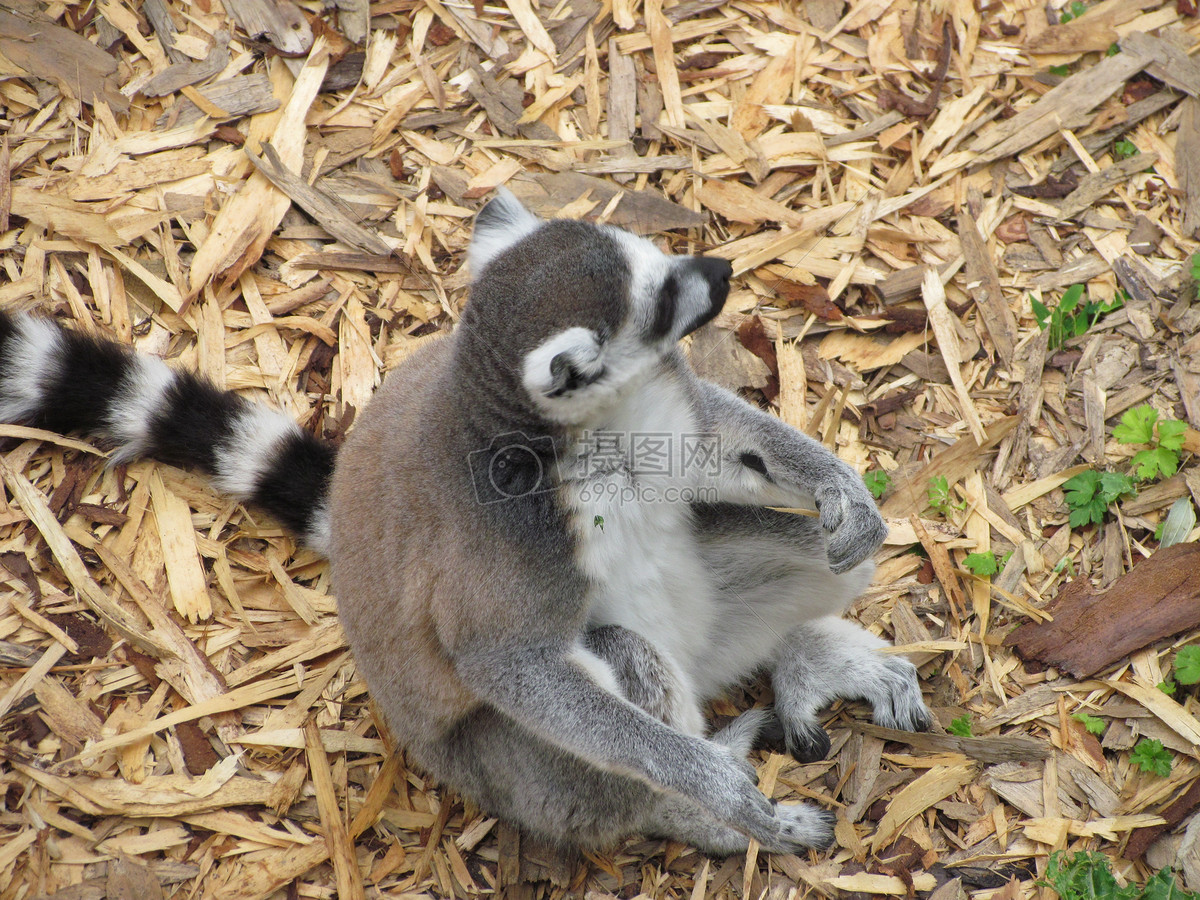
807 742
771 736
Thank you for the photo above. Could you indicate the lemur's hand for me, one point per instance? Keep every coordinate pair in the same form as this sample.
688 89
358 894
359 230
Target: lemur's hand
853 526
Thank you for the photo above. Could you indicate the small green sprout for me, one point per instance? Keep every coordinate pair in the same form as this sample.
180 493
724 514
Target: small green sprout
877 481
1072 11
982 563
1141 425
1073 316
1089 494
1094 724
598 522
1151 756
1125 148
940 497
1087 875
1187 664
961 727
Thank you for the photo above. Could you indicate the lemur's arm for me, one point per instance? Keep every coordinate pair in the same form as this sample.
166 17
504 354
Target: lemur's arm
765 462
555 695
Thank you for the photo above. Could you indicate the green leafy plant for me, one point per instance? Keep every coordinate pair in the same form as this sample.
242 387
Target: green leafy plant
1141 425
1187 664
985 563
961 726
1167 687
982 563
1163 886
877 481
1125 148
1151 756
940 497
1196 267
1073 316
1089 494
1094 724
1113 49
1073 11
1088 875
598 522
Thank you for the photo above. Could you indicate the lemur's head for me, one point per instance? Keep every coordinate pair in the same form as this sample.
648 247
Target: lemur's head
578 311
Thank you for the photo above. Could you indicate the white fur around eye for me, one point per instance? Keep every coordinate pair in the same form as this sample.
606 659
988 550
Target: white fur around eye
582 348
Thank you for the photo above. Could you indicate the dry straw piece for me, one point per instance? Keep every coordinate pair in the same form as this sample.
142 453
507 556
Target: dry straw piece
278 194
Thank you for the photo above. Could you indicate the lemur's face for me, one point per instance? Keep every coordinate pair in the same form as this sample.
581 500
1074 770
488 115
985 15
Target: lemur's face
589 308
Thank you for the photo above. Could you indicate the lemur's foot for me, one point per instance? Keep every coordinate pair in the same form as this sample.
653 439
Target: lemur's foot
898 703
834 659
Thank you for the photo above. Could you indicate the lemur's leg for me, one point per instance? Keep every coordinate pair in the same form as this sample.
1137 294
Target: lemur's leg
780 608
829 659
645 678
803 824
558 797
765 462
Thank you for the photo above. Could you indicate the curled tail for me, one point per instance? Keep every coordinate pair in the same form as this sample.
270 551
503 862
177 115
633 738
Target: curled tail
64 381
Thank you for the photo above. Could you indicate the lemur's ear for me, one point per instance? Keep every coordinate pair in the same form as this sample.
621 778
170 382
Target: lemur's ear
499 225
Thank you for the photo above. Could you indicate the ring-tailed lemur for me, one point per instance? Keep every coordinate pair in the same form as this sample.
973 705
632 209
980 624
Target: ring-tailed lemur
540 605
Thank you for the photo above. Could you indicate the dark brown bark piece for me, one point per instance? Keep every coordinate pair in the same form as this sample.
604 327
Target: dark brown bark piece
172 78
812 297
1187 162
198 754
317 203
901 285
280 21
18 565
1092 630
1142 838
93 641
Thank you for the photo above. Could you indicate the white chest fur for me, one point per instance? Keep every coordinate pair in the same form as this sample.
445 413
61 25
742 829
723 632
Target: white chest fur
628 492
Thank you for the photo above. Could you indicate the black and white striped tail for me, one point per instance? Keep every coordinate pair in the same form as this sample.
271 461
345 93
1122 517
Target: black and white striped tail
65 381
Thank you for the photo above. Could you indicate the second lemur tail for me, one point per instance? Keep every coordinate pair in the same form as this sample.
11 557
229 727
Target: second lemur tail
64 381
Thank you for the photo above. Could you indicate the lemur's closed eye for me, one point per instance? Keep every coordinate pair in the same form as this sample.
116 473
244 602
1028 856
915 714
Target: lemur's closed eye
664 314
568 377
755 462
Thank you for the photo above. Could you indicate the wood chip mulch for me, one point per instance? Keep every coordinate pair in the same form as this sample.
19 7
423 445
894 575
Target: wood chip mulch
279 195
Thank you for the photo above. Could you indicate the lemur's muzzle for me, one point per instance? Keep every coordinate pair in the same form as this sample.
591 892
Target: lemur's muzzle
716 273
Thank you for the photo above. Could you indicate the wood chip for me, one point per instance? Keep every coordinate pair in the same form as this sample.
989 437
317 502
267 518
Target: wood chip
754 132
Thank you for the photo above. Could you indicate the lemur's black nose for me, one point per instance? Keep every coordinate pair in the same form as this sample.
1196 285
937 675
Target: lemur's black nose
716 272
